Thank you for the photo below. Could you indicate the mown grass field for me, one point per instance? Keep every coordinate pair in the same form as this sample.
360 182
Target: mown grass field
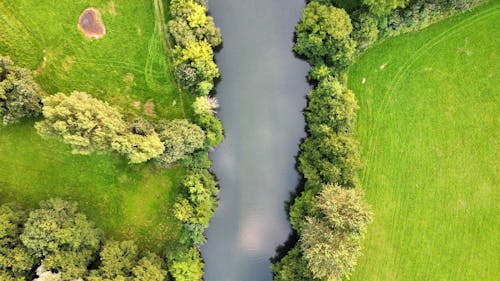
429 127
129 64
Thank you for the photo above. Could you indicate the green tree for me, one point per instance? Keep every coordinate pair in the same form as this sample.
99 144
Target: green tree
179 138
185 264
195 68
63 238
380 7
15 259
331 242
117 260
84 122
323 36
149 269
292 267
212 126
331 108
365 31
330 158
20 95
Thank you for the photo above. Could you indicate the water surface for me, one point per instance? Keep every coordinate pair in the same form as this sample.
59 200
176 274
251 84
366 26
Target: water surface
262 95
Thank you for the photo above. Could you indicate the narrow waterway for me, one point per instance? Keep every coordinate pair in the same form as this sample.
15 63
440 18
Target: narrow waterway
262 95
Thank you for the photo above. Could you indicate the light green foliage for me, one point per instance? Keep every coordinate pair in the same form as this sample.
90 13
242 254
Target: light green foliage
196 205
63 238
20 95
117 260
323 36
195 64
179 137
428 126
331 108
205 105
149 269
91 125
381 7
84 122
185 264
331 242
191 23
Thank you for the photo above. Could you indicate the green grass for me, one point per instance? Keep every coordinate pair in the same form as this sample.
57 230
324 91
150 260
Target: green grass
130 63
429 130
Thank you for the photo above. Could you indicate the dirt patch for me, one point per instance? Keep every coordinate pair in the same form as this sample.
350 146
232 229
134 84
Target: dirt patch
90 23
149 108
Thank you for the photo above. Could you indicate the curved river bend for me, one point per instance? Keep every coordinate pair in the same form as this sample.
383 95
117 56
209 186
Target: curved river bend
262 95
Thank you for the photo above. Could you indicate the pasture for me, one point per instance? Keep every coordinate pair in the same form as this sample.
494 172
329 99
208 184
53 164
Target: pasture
429 128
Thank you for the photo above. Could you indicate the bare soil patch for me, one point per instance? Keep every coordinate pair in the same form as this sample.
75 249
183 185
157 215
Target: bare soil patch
90 23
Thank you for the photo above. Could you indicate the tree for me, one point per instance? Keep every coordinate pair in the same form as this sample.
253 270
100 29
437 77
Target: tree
20 95
365 31
380 7
15 259
292 267
195 61
330 158
331 108
185 264
149 269
179 138
61 237
323 36
331 243
212 127
84 122
117 260
89 125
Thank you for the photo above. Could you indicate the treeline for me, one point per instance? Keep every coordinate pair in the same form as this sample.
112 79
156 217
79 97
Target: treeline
329 215
194 36
55 242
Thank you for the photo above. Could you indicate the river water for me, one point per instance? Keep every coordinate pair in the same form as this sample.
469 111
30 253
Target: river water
262 94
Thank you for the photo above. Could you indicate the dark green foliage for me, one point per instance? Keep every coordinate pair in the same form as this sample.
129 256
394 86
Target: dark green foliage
421 13
365 29
330 158
331 108
15 259
212 127
20 95
323 36
292 267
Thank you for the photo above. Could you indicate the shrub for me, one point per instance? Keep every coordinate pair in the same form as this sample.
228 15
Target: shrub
20 95
381 7
185 264
212 126
365 29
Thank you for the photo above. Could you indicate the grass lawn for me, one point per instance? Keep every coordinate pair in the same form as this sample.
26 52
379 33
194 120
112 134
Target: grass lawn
129 64
429 130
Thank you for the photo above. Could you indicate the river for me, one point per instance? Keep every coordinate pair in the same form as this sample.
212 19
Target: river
262 95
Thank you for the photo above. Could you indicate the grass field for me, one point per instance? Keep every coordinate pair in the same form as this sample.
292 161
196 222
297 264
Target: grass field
130 63
429 130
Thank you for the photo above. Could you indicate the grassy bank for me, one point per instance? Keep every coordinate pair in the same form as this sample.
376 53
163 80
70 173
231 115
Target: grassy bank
428 127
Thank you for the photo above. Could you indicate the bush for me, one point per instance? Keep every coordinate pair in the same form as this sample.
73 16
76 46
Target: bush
185 264
20 95
365 29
